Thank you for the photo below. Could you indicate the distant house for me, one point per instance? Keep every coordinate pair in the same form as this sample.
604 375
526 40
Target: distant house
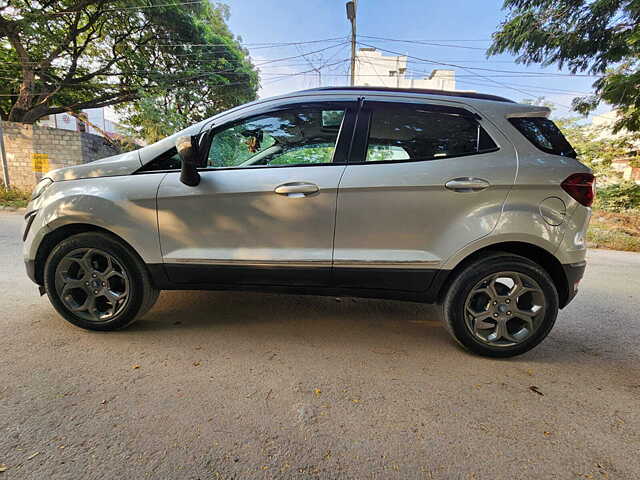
602 125
629 172
373 69
97 122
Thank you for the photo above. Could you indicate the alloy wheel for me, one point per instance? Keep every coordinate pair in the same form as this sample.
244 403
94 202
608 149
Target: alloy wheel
504 309
92 284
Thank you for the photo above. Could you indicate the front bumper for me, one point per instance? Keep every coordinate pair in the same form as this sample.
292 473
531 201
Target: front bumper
31 269
34 232
574 273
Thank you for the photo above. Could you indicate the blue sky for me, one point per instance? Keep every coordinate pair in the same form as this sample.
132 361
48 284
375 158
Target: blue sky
465 25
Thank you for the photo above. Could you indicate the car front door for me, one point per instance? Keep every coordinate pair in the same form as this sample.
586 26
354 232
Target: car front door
264 211
426 179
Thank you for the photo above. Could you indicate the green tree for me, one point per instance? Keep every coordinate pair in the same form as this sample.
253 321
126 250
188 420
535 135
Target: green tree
150 118
600 37
592 150
67 55
597 147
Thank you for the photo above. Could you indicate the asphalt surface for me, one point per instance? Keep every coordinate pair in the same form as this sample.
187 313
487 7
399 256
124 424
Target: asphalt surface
245 385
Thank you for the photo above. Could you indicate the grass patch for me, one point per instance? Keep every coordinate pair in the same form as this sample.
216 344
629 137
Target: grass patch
12 197
615 231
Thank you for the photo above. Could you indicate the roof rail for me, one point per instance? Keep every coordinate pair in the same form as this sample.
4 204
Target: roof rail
427 91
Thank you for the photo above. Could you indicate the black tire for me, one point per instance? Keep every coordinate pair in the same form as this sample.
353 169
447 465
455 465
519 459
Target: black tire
462 285
141 295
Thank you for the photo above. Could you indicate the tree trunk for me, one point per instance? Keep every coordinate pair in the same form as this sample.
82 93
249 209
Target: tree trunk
34 114
23 105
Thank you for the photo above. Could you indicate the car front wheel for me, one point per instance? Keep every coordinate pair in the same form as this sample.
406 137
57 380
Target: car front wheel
501 305
96 282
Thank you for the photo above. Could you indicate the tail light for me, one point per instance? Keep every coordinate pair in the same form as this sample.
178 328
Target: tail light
581 187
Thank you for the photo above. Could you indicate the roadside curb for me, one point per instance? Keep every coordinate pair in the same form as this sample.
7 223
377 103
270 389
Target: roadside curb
12 209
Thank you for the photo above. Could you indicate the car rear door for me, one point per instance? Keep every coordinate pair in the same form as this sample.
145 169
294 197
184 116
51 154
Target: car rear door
425 178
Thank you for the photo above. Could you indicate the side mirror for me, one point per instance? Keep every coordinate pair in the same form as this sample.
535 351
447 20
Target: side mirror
188 154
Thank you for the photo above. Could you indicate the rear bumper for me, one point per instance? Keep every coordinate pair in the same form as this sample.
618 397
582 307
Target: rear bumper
574 273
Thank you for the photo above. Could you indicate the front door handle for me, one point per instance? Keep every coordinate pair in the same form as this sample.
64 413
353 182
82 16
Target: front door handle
467 184
297 189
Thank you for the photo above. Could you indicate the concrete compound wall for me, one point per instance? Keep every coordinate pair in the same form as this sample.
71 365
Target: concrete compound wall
33 150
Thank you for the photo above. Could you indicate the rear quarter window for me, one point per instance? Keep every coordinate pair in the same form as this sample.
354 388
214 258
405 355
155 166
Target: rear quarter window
544 134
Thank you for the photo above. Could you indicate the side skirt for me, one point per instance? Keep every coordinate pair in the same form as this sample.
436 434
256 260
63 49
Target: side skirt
395 284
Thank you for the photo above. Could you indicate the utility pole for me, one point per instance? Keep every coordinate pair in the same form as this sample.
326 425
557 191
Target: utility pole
3 159
351 15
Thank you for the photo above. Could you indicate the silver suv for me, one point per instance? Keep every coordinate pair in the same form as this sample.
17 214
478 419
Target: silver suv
468 200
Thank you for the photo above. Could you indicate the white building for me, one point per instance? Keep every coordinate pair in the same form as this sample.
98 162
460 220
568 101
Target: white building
378 70
96 117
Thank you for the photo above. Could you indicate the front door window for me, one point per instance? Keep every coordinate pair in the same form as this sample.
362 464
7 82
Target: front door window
287 138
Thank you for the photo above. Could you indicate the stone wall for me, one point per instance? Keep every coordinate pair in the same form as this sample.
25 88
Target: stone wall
32 150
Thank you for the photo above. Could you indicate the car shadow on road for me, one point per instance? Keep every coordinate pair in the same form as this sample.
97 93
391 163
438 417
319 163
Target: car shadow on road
321 319
313 320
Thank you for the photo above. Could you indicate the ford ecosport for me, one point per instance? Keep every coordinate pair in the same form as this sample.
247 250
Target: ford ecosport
468 200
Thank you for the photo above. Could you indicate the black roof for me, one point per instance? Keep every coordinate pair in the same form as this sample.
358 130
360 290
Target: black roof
429 91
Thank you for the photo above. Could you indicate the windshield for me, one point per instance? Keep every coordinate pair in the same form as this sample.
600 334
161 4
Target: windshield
544 134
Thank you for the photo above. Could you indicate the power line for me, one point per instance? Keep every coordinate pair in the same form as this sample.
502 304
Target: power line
294 74
141 7
201 74
475 83
436 39
547 89
423 42
531 87
464 68
468 69
255 45
318 70
426 60
340 75
375 69
280 76
342 42
142 87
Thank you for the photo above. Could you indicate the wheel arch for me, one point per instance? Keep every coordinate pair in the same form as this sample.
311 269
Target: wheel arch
54 237
535 253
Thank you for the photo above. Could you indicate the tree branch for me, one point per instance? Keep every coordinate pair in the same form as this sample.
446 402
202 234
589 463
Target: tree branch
99 102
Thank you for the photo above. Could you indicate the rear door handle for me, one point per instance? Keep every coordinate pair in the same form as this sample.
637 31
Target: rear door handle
467 184
297 189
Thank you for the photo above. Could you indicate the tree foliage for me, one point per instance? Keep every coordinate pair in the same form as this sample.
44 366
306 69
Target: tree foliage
67 55
599 37
598 147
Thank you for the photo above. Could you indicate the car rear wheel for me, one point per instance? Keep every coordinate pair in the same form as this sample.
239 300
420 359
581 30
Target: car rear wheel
501 305
96 282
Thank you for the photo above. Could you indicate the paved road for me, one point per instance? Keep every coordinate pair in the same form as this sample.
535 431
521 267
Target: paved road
224 385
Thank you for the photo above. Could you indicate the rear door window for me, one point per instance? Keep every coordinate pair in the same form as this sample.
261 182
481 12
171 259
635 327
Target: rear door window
414 132
544 134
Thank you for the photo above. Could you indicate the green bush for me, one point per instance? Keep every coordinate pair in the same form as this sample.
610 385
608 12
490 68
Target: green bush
618 198
13 197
